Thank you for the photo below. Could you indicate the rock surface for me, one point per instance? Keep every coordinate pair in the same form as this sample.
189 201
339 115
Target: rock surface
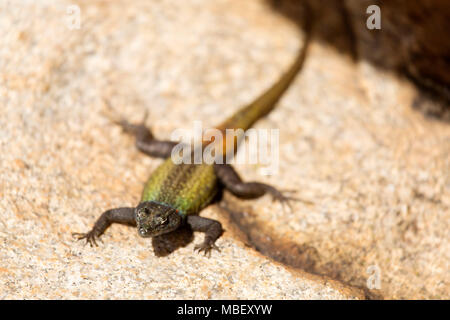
373 172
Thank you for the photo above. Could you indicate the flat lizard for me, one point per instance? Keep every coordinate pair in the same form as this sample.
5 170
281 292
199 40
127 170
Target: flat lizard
175 193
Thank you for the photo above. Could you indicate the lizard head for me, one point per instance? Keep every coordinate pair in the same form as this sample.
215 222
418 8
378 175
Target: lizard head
154 219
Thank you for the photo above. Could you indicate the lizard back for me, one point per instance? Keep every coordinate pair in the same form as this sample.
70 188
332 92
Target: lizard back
186 187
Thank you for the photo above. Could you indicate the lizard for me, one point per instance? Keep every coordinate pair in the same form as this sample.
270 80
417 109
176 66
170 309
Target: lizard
174 194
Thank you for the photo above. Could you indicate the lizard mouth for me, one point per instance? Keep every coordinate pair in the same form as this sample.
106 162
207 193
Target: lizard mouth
147 233
143 232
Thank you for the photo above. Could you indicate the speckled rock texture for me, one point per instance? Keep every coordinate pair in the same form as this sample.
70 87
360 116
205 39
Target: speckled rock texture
374 173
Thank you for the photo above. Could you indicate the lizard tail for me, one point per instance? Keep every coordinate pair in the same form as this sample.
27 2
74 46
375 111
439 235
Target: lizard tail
248 115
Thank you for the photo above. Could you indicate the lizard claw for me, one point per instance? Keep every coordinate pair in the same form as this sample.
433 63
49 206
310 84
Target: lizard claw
285 200
89 236
138 130
130 127
206 248
126 126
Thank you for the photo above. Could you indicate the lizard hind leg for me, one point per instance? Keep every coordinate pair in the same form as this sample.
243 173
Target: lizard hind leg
251 190
145 141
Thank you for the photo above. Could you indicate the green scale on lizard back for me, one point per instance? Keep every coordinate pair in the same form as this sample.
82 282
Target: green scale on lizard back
186 187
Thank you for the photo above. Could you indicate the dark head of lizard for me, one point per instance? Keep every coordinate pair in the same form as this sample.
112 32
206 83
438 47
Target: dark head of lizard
154 219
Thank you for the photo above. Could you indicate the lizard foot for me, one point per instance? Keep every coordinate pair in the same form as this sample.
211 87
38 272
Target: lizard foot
283 198
126 126
131 128
206 247
89 236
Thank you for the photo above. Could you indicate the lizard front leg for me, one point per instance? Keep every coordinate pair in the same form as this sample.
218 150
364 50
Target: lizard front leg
247 190
212 229
118 215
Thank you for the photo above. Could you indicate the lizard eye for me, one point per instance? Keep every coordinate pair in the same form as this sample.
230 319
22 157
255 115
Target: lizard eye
144 211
